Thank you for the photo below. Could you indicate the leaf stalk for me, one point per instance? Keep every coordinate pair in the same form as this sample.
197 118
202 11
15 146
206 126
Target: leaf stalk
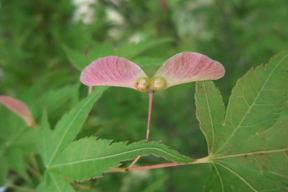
150 94
163 165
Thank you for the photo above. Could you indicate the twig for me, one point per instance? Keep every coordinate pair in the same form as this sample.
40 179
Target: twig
163 165
150 93
133 163
117 169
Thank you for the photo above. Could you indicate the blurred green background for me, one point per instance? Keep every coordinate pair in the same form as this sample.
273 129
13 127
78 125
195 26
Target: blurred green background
43 41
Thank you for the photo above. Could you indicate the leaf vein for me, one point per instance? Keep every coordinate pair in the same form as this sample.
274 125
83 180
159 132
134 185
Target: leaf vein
66 131
211 121
256 98
285 176
114 155
246 101
220 178
241 178
55 182
252 153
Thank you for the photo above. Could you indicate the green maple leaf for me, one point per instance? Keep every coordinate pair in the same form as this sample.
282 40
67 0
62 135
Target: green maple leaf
130 51
87 158
54 182
248 149
52 143
13 130
16 138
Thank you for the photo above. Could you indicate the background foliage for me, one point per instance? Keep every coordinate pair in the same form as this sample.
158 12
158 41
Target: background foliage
42 41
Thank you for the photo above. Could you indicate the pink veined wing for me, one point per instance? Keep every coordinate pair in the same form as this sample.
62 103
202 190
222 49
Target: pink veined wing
112 71
19 108
187 67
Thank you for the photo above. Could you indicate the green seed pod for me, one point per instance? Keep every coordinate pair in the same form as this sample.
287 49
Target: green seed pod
158 84
142 84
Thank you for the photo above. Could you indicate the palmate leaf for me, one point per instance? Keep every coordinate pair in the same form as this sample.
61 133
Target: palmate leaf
27 141
16 137
15 161
53 182
132 50
12 129
100 50
247 150
52 143
86 158
89 158
53 99
33 91
77 59
11 126
80 61
129 51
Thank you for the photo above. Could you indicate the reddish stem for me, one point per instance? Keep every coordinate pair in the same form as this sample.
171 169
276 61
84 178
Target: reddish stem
163 165
157 166
135 160
150 93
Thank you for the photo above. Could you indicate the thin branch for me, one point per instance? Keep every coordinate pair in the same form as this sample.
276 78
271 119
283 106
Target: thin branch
117 169
150 93
157 166
133 163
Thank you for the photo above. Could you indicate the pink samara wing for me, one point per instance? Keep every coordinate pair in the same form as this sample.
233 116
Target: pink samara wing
112 71
187 67
19 108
